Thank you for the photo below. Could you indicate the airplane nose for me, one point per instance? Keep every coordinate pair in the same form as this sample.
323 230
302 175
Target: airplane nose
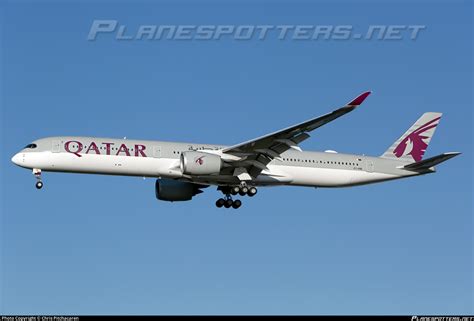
16 159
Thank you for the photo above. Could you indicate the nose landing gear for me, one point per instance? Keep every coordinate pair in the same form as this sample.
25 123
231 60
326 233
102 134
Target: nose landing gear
39 182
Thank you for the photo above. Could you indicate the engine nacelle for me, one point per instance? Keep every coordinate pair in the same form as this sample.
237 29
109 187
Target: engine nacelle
171 190
197 163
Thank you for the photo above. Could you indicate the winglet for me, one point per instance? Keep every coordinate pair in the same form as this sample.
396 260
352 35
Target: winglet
360 99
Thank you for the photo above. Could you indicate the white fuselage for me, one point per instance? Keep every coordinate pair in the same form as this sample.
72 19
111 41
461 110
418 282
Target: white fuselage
162 160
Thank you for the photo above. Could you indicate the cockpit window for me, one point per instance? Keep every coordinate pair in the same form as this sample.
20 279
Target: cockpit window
31 146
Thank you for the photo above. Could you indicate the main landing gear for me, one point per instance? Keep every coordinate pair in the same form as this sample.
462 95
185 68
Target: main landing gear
228 191
39 182
227 202
243 190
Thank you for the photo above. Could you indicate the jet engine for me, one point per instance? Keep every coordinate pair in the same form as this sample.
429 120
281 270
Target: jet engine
197 163
171 190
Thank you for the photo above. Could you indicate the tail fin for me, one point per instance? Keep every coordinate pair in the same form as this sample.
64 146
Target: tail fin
412 145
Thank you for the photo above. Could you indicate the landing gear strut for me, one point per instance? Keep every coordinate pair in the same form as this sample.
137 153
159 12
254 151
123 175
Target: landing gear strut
39 182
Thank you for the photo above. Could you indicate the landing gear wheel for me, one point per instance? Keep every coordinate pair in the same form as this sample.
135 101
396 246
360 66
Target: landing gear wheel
252 191
220 202
228 203
236 204
39 185
235 190
245 190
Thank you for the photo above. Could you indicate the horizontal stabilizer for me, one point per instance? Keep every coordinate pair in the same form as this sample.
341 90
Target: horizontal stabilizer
430 162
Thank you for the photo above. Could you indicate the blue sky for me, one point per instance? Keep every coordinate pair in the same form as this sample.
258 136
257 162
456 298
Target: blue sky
90 244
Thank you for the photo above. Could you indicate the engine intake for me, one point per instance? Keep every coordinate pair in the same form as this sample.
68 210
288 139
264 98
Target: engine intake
197 163
171 190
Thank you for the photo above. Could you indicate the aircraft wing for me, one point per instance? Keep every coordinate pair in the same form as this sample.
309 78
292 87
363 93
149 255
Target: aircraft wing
255 154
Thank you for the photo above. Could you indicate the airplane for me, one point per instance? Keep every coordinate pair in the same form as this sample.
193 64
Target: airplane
183 170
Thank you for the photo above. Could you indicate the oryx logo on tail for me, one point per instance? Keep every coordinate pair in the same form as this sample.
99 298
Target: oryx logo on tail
414 142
